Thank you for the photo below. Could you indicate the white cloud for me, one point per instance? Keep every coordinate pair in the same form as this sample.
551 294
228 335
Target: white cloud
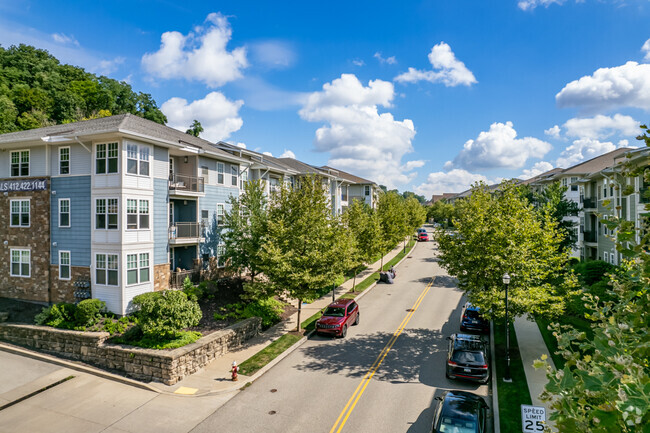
261 95
453 181
273 54
624 143
608 88
553 132
600 126
646 49
218 115
107 67
200 56
532 4
411 165
240 144
499 148
64 39
582 150
537 169
446 69
359 138
288 154
390 60
267 153
358 62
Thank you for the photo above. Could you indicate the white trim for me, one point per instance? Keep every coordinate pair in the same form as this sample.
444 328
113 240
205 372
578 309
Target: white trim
29 162
20 212
69 265
106 213
59 153
138 268
105 269
223 214
138 214
69 213
95 159
222 172
21 250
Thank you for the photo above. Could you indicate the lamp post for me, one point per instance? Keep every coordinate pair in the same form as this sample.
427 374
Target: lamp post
507 378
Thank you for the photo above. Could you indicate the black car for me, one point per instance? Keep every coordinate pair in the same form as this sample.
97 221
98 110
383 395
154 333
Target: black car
460 412
472 321
467 358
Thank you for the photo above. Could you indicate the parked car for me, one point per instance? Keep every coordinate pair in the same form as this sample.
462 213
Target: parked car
422 230
423 237
472 321
467 358
337 317
460 412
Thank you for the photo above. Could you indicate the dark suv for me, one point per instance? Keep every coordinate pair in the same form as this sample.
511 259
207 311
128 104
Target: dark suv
461 412
337 317
472 321
467 358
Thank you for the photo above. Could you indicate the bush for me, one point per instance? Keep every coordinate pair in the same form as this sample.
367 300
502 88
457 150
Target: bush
193 292
165 313
269 310
593 271
88 312
57 316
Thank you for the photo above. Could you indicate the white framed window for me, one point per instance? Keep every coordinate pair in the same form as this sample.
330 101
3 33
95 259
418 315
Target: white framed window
220 173
64 265
205 219
137 214
565 181
20 263
234 172
106 269
243 179
106 158
20 163
366 190
137 159
221 255
606 255
64 212
137 268
106 213
612 258
19 213
220 214
64 160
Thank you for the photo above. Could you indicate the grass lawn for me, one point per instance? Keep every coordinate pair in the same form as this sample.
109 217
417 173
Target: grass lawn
516 393
578 323
268 354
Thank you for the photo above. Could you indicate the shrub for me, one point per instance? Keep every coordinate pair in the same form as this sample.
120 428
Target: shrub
593 271
88 312
193 292
269 310
57 316
165 313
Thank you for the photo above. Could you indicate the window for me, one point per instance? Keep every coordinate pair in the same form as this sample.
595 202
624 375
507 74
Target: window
106 158
243 179
574 185
20 163
20 263
144 214
64 160
221 255
606 255
344 193
137 217
604 190
106 267
19 213
234 172
137 159
137 271
205 215
220 214
64 265
64 212
366 190
106 213
220 173
565 181
611 190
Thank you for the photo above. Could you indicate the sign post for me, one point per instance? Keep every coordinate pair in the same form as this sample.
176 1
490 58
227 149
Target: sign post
533 418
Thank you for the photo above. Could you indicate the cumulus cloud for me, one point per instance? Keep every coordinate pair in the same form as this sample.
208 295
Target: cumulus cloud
532 4
107 67
288 154
390 60
411 165
608 88
537 169
446 69
218 115
273 54
240 144
582 150
600 126
357 136
64 39
456 180
199 56
358 62
267 153
499 148
553 132
646 49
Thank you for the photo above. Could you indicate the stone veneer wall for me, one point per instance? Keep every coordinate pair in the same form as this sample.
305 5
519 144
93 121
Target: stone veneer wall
161 276
166 366
63 290
36 238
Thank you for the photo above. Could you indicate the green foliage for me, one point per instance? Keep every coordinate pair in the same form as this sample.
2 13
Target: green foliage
164 314
593 271
135 337
193 292
195 128
393 220
60 315
269 310
442 212
36 91
552 200
88 312
117 327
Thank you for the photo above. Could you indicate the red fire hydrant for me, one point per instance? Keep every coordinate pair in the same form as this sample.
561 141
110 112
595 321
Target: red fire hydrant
234 370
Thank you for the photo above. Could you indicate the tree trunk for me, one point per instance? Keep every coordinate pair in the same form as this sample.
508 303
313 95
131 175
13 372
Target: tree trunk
299 311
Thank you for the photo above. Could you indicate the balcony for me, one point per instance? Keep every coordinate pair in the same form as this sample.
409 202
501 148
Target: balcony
185 233
361 198
590 236
181 184
176 278
589 203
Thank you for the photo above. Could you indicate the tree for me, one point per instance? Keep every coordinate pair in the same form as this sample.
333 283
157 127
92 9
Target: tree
361 222
605 383
441 212
392 219
552 200
300 253
195 128
498 232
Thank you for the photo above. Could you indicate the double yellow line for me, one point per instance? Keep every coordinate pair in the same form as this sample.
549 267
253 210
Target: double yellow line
347 410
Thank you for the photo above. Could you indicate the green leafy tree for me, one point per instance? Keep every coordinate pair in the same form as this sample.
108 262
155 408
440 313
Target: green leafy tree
416 213
441 212
552 199
363 225
195 128
393 221
498 232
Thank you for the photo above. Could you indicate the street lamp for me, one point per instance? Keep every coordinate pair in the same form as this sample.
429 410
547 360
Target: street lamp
507 378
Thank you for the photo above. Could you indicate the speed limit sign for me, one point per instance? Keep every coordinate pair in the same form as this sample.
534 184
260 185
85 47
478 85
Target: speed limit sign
533 418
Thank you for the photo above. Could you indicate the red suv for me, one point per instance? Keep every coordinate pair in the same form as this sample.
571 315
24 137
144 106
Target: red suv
337 317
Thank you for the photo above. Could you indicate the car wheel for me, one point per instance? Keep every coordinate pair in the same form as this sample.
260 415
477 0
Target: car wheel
356 321
344 331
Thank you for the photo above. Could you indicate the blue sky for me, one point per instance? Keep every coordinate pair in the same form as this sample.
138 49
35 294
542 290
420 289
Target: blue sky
427 96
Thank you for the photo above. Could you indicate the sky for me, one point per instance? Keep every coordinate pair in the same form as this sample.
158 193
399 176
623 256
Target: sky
426 96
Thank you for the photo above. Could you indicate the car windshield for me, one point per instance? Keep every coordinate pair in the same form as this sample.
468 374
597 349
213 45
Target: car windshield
472 314
450 425
463 357
334 312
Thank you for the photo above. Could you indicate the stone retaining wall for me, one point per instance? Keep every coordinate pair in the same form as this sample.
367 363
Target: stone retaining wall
166 366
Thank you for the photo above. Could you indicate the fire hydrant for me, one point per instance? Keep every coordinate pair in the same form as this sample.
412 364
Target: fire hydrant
234 370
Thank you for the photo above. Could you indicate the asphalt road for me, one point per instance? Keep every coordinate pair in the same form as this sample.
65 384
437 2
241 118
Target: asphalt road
382 377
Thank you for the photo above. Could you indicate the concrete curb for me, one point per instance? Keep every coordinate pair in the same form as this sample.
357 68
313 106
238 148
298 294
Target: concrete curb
495 392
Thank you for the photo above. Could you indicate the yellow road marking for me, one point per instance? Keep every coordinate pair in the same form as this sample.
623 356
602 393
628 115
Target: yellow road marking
352 402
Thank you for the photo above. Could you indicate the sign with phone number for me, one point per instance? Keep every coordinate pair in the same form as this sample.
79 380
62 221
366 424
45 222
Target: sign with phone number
23 185
533 418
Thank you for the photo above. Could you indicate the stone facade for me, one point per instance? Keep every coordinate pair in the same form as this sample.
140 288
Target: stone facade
35 238
161 276
166 366
63 290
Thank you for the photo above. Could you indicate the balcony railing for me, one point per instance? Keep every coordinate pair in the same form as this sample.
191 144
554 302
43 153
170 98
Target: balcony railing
352 198
176 278
589 203
183 183
589 236
185 231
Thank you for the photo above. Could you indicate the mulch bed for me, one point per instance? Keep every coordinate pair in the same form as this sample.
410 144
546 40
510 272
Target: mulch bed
20 311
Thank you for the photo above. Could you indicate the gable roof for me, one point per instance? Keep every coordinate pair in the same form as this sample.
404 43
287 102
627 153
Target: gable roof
347 176
596 164
302 168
